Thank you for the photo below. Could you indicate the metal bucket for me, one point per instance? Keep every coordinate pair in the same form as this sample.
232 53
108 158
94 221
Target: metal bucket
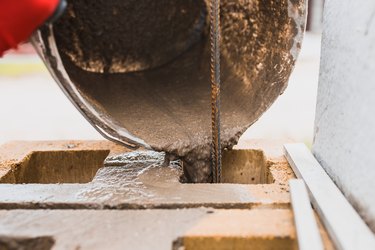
138 70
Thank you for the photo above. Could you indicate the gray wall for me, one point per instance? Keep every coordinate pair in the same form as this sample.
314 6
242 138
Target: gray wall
345 120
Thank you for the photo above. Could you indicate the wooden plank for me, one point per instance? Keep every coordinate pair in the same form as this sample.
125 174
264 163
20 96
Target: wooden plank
306 226
346 228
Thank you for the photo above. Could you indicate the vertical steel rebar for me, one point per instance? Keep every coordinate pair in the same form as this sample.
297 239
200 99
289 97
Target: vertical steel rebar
215 89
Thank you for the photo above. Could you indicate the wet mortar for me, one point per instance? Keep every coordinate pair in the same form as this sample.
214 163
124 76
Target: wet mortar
147 67
139 175
120 176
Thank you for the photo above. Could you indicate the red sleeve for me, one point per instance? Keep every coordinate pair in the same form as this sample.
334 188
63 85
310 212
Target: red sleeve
19 18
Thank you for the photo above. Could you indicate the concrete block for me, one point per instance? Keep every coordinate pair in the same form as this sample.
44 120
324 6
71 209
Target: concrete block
344 125
133 205
128 184
239 229
199 228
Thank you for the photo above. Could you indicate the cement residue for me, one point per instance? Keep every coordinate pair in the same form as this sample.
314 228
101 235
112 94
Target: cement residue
136 157
174 30
196 155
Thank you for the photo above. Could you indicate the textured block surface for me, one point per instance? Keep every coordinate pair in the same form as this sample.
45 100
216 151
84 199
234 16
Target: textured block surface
344 126
133 206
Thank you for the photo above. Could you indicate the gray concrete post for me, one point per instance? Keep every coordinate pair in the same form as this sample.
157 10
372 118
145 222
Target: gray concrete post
345 119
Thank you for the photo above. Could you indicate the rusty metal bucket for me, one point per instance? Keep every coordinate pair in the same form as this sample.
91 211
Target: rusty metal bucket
138 70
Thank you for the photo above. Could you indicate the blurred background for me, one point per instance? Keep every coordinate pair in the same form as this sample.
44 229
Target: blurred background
32 107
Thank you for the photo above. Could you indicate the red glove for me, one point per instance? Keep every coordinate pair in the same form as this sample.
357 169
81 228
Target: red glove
19 19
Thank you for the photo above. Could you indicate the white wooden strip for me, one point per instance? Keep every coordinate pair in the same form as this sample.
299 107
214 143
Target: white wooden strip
346 228
308 234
